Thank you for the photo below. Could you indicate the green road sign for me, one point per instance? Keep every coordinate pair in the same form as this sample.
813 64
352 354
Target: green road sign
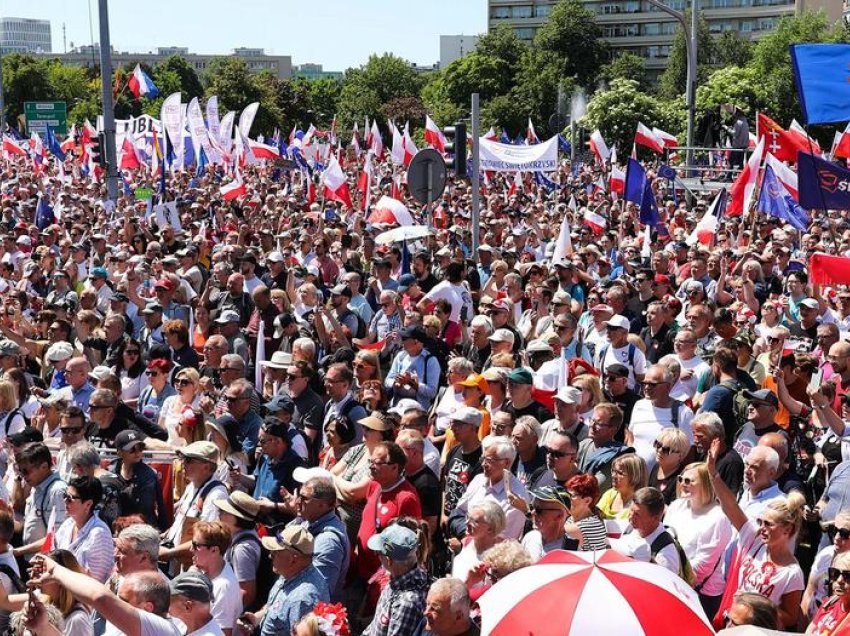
40 115
143 194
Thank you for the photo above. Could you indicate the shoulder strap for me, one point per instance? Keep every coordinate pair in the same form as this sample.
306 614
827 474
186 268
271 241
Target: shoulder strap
8 420
47 491
17 583
661 541
602 353
674 412
246 538
632 349
425 359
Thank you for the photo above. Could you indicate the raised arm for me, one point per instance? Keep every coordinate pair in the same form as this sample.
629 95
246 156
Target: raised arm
725 496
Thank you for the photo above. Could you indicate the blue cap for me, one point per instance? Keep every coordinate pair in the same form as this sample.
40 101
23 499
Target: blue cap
99 272
280 402
405 281
395 542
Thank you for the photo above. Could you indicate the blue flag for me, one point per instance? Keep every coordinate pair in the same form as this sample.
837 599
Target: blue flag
542 180
564 145
635 182
44 215
406 258
648 207
53 145
775 200
822 76
822 184
504 137
520 140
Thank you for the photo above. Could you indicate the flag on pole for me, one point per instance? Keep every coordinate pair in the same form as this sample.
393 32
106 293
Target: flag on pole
564 244
409 147
786 176
774 200
666 138
12 147
599 147
141 85
820 74
434 136
335 184
364 183
234 189
390 211
645 137
516 184
706 228
260 355
531 137
129 159
744 187
596 222
47 546
53 145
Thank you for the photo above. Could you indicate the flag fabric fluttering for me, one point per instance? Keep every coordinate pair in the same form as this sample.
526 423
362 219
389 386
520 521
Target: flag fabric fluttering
234 189
531 137
434 137
783 144
595 221
599 147
141 85
53 145
744 188
409 147
820 74
819 182
564 245
776 201
335 184
706 228
646 138
666 138
364 183
390 211
786 176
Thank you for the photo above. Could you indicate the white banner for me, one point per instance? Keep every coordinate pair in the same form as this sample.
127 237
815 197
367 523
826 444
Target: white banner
198 130
172 119
246 119
508 158
225 133
212 119
143 125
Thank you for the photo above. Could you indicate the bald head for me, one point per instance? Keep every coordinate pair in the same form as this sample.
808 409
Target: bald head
778 442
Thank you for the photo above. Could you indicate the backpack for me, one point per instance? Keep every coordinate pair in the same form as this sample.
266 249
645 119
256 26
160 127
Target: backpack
17 584
265 574
739 403
604 352
10 416
664 539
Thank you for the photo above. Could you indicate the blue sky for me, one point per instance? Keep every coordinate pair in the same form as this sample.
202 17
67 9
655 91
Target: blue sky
336 33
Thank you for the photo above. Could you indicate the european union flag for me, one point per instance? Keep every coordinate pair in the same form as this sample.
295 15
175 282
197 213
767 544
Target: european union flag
504 137
822 75
54 146
542 180
775 200
635 182
564 145
648 207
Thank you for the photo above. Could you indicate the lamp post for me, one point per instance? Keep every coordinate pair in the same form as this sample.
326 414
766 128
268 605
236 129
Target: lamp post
691 46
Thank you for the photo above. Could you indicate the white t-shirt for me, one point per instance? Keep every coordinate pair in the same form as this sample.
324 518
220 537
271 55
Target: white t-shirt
703 538
227 599
457 295
621 356
639 548
686 389
818 574
152 625
533 542
759 574
648 421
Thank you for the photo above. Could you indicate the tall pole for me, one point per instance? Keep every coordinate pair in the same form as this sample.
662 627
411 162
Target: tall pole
108 109
474 177
2 103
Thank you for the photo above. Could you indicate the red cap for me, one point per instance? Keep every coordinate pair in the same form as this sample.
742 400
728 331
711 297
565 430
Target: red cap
661 279
165 283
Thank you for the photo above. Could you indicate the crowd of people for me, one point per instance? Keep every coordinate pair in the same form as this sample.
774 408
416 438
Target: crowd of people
258 417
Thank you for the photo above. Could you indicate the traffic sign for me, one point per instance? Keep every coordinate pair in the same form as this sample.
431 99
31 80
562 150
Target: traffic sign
426 176
40 115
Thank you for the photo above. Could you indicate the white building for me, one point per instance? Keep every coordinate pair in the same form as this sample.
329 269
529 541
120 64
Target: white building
25 35
454 47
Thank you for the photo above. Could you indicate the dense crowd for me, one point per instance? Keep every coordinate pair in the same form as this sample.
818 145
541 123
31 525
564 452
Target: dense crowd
254 417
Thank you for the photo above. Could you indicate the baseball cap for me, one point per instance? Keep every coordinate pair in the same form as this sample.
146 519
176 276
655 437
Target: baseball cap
403 406
395 542
228 315
538 346
151 308
274 257
765 396
475 381
302 474
412 332
520 376
661 279
404 282
273 426
617 369
341 290
126 440
165 283
568 395
603 308
811 303
294 537
100 372
28 435
9 348
618 322
280 402
194 585
467 415
502 335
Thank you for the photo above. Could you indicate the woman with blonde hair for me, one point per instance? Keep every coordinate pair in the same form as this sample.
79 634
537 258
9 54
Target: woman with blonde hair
11 418
703 532
765 562
591 394
187 384
628 475
366 367
671 449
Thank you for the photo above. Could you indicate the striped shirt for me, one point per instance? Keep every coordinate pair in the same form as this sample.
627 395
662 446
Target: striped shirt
93 546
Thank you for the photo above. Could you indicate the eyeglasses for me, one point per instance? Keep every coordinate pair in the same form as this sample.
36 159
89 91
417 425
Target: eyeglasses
490 460
834 573
132 352
600 423
766 523
197 546
333 380
183 382
361 365
70 430
664 450
537 510
687 481
230 399
152 374
652 385
98 407
372 462
551 452
68 497
843 533
223 369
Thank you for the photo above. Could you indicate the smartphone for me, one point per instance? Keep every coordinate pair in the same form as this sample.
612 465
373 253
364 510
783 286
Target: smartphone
507 476
816 381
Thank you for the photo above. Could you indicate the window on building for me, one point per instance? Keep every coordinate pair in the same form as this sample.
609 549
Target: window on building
525 11
525 33
542 10
500 13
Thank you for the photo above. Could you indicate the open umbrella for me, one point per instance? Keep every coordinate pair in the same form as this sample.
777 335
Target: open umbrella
403 233
586 593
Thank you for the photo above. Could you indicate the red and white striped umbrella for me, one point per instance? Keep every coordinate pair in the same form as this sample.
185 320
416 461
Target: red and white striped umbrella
586 593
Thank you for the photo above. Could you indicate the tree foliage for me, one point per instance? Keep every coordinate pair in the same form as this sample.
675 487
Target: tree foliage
626 66
572 41
674 77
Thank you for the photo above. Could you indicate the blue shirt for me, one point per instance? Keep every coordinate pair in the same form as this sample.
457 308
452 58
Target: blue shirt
429 377
247 432
290 600
270 475
331 550
80 397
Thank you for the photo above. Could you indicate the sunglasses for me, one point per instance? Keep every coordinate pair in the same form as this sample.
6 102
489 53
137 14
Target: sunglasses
132 352
68 497
687 481
834 573
152 374
844 533
551 452
664 450
70 430
183 382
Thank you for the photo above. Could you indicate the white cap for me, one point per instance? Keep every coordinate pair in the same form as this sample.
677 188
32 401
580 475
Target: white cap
303 475
618 321
569 395
404 405
502 335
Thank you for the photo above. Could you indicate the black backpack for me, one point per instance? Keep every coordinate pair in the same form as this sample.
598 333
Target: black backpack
265 574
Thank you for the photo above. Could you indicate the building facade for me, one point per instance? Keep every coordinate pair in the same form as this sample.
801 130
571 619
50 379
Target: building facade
256 59
24 35
314 71
637 27
454 47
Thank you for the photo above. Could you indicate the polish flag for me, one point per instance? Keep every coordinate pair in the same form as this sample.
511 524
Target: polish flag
47 546
364 182
12 147
335 184
645 137
390 211
706 228
308 136
355 141
531 137
599 147
376 144
234 189
617 181
594 221
842 147
311 191
797 130
516 184
397 149
666 138
70 141
263 151
751 144
786 176
395 189
491 135
434 136
744 188
409 147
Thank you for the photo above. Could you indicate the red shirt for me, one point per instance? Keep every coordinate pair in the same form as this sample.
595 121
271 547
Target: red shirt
831 620
381 508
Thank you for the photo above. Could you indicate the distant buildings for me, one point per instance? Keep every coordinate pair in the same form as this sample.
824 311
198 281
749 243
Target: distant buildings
314 72
256 59
454 47
24 35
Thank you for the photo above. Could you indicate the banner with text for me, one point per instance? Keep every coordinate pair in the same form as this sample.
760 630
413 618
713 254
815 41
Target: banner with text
508 158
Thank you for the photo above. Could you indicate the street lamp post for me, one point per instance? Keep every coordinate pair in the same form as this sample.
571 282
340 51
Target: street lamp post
691 46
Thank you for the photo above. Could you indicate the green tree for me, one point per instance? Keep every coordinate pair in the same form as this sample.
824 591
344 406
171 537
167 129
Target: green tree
502 43
487 75
537 88
365 90
505 111
357 101
405 109
732 85
286 103
674 77
627 66
236 87
438 104
323 97
573 41
732 49
190 83
617 111
24 79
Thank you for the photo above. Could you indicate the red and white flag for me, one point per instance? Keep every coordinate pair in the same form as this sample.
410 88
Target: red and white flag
646 138
335 184
376 144
617 181
234 189
434 137
12 147
410 148
47 546
390 211
355 141
744 187
516 184
786 176
666 138
263 151
531 137
783 144
70 141
596 222
129 159
842 144
797 130
599 147
491 135
706 227
364 182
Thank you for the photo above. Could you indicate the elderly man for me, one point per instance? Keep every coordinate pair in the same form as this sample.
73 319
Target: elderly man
501 341
478 349
228 326
761 419
389 496
530 465
447 609
656 412
191 600
358 302
566 415
415 418
402 601
761 467
79 389
548 516
692 366
200 462
618 350
315 505
384 324
597 453
136 550
647 539
708 427
464 459
341 403
498 456
520 384
415 372
299 586
236 299
238 396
